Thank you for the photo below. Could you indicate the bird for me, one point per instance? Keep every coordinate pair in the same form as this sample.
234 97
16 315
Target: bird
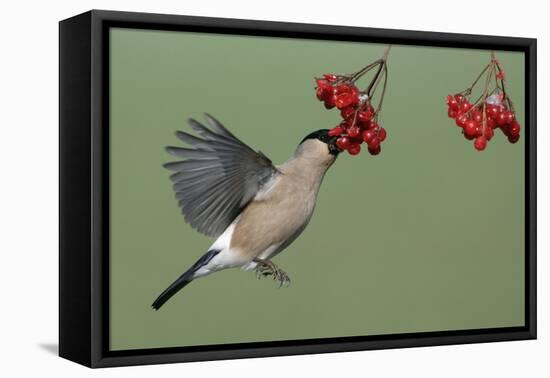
253 208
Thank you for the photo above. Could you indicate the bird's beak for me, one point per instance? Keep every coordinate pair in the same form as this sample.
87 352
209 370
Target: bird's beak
332 148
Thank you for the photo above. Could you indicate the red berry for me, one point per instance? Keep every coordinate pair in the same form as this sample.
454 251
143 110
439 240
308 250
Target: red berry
491 123
514 128
509 116
322 83
489 132
354 131
329 104
320 94
343 143
330 77
459 98
373 126
342 90
368 135
502 119
336 131
469 137
465 106
354 149
480 143
346 95
470 128
355 94
479 129
374 143
513 138
492 111
347 112
505 130
365 116
461 120
477 116
346 124
452 113
452 103
358 139
366 125
501 75
325 91
343 101
369 108
382 134
329 98
374 151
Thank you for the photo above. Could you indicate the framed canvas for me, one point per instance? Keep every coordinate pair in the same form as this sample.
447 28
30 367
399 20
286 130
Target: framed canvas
234 188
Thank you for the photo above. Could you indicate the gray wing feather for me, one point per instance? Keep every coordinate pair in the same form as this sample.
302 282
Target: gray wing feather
218 177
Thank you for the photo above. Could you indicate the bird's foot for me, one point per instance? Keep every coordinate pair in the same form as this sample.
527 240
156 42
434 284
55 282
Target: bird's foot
266 268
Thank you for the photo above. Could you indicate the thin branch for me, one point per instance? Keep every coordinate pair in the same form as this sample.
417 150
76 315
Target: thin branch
386 52
383 90
376 77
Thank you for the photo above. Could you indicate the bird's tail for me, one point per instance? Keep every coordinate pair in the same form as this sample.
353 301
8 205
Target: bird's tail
183 280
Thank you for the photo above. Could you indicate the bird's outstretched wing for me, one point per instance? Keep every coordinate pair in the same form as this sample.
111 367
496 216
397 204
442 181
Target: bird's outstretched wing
218 177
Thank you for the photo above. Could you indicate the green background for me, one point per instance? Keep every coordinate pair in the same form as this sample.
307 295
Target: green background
426 236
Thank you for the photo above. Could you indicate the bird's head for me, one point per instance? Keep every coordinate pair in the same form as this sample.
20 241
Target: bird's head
319 146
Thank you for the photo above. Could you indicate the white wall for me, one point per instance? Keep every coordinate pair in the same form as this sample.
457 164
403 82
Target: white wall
28 167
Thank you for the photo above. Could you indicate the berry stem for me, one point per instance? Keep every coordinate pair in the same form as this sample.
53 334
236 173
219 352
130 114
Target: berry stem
376 76
488 80
497 65
382 66
379 109
468 90
377 63
382 69
386 52
490 70
356 76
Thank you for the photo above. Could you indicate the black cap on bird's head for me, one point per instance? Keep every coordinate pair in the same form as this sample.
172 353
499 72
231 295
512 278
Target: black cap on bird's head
323 136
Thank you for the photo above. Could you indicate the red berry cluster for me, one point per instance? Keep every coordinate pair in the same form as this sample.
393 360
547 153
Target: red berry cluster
359 117
479 126
493 110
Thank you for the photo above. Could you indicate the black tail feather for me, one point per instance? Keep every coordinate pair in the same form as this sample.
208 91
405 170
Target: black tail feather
179 284
183 280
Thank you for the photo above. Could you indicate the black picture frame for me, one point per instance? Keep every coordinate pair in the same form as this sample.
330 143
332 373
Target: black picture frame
84 193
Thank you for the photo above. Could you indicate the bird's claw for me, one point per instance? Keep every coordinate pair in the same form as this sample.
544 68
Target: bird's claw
268 268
